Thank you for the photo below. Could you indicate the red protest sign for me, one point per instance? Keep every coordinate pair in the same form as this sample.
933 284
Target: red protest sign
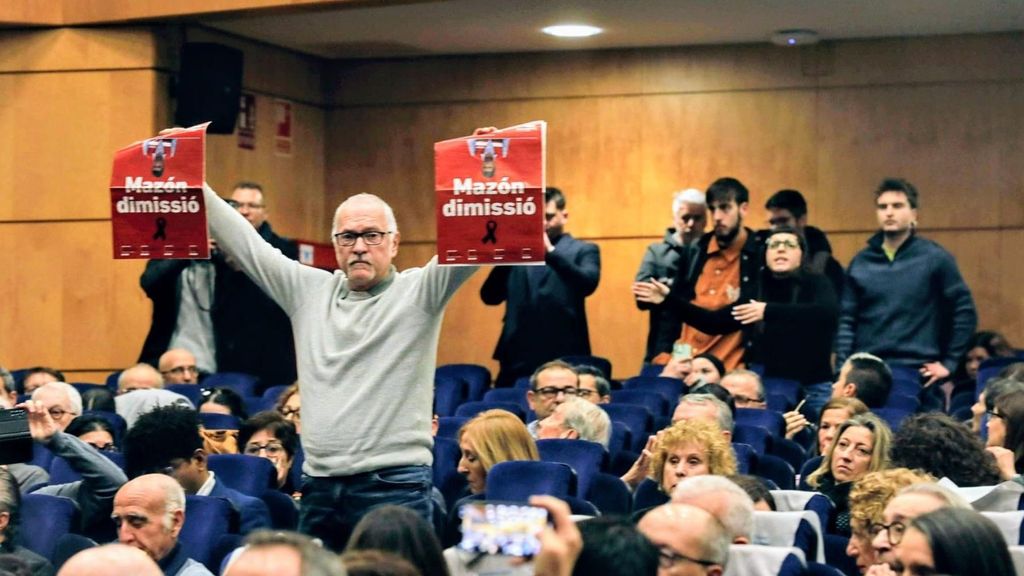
156 197
490 197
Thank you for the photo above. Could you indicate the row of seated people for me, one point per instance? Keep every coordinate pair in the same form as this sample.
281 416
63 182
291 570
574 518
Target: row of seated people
560 394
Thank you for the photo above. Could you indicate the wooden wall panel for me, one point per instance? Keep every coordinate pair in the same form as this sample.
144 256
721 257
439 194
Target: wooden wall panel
293 185
77 49
67 302
629 127
58 133
960 144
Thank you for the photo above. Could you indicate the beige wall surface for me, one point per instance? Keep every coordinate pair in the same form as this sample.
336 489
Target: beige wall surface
628 127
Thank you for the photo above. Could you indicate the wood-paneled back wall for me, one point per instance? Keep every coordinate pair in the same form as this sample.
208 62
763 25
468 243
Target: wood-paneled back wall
628 127
70 98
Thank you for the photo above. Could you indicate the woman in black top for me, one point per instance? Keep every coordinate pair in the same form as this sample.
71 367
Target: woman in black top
790 322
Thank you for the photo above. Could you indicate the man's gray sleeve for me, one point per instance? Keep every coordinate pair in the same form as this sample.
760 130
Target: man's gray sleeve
101 478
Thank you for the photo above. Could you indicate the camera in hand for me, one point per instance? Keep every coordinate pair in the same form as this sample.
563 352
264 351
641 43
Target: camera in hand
15 438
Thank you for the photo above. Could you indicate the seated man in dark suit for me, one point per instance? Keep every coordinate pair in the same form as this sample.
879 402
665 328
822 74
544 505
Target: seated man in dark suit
545 317
167 441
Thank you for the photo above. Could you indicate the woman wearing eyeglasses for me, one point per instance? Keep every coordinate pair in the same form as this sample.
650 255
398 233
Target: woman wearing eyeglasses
789 323
1006 435
268 435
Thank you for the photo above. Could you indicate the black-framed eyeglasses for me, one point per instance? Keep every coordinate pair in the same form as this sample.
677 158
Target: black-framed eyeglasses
894 531
668 558
993 414
551 391
108 447
180 370
291 412
741 399
58 413
271 448
584 393
776 244
370 237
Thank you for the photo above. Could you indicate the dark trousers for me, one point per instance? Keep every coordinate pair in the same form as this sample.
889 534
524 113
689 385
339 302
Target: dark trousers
331 507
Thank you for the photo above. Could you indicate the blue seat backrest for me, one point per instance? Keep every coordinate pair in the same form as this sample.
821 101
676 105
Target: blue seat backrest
602 364
274 392
754 436
621 438
284 515
445 469
449 393
44 519
746 457
513 395
250 475
770 420
610 495
785 386
777 470
810 466
648 495
585 458
449 426
470 409
206 520
476 377
637 418
652 400
670 388
191 391
517 480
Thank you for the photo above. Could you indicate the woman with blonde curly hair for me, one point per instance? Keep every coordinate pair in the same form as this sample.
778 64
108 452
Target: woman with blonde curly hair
690 448
491 437
868 499
861 445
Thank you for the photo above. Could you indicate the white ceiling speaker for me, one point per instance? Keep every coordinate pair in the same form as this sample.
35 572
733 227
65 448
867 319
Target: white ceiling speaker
795 38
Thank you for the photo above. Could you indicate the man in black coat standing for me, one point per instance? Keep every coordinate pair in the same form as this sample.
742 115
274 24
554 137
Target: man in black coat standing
215 311
545 316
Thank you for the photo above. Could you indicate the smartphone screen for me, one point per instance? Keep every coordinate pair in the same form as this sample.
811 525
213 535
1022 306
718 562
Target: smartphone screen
502 528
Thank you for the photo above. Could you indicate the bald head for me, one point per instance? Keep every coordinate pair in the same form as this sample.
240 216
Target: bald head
686 530
139 377
149 512
274 559
178 366
110 559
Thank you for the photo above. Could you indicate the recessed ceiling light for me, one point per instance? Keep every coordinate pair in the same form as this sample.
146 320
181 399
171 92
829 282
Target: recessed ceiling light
794 37
572 30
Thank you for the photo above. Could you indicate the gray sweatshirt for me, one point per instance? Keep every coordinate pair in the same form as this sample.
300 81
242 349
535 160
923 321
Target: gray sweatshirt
365 359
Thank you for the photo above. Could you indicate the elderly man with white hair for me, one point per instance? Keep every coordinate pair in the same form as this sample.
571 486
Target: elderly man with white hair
690 215
149 512
61 400
577 419
723 499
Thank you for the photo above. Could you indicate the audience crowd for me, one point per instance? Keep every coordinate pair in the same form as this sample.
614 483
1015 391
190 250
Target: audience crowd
791 417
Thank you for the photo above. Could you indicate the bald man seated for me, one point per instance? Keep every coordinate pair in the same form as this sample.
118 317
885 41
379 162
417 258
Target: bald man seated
110 559
142 376
149 512
178 366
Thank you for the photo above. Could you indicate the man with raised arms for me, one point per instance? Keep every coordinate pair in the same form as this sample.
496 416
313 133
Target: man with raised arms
366 340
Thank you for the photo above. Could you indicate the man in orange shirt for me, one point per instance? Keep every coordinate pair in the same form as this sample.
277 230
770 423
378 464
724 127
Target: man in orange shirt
712 274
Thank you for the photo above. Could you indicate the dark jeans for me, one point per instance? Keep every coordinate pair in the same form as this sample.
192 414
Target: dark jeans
331 507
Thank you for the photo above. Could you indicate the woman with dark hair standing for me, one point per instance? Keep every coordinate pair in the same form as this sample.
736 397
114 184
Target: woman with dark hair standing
789 323
955 542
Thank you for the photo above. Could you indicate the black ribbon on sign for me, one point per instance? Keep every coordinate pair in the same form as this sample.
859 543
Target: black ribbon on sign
161 229
492 227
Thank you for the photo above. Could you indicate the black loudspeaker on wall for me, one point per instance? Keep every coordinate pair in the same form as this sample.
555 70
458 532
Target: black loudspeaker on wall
209 86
